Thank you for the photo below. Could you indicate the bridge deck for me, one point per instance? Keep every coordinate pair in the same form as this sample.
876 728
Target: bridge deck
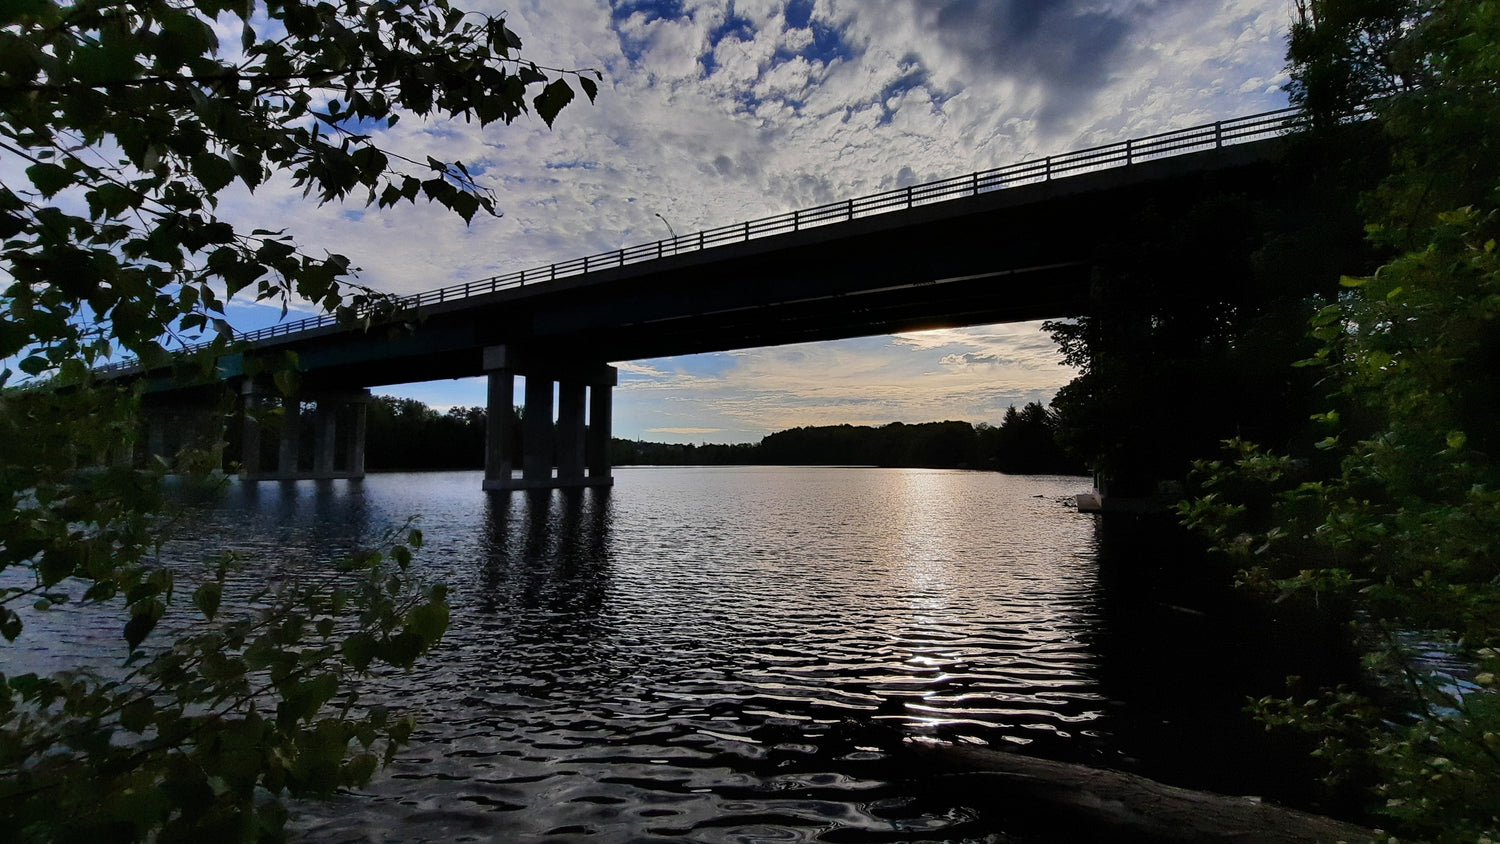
1009 244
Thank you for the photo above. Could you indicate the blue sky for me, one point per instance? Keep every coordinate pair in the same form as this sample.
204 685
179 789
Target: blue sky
715 112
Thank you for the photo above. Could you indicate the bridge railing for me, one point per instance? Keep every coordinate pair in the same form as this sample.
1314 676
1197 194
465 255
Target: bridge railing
1208 136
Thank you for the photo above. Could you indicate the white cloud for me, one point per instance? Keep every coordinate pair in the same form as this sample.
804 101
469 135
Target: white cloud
967 374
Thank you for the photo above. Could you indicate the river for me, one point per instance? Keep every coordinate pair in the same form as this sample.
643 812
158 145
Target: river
736 654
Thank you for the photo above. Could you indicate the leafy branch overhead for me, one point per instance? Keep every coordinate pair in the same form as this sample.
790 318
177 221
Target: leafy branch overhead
130 119
123 123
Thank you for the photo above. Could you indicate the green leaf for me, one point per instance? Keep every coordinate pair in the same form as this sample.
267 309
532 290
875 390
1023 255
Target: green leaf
403 649
304 699
465 204
142 621
359 649
287 381
49 178
110 200
136 716
20 10
357 771
9 624
1328 315
549 103
212 171
429 621
206 598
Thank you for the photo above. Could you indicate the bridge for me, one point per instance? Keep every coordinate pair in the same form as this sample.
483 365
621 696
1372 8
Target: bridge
1010 244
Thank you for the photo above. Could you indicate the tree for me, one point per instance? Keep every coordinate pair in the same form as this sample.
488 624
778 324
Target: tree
1170 361
1391 519
123 124
452 440
1025 443
1345 54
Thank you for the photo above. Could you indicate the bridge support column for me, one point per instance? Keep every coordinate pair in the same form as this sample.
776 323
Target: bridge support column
168 427
250 444
570 444
337 417
291 437
536 433
601 428
570 431
358 408
340 412
325 429
499 435
156 434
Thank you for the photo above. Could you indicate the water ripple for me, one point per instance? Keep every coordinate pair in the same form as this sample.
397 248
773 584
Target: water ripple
710 655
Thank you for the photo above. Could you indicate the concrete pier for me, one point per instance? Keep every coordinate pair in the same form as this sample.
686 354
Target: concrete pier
171 427
570 430
336 418
577 443
536 431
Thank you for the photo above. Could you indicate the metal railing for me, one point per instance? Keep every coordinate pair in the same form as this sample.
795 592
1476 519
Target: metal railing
1216 135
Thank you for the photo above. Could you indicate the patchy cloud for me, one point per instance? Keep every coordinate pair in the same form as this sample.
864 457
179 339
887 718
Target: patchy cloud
866 381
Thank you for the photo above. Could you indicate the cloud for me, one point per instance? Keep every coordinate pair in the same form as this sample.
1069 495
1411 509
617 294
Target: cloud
629 368
868 381
969 359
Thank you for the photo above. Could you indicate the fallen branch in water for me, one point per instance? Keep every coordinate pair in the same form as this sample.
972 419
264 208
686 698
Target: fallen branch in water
1116 806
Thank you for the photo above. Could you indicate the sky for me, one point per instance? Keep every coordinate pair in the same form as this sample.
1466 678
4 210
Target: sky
716 112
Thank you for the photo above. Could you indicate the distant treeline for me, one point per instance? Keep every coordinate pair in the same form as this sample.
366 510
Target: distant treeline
1023 443
406 434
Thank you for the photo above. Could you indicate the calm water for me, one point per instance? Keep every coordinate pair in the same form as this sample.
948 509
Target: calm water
737 654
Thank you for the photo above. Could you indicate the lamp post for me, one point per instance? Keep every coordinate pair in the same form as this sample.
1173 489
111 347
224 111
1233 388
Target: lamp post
670 230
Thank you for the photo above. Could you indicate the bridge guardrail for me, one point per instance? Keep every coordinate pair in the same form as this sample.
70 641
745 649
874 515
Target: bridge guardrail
1216 135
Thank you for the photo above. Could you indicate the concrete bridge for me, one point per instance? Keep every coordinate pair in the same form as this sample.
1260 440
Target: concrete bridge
1011 244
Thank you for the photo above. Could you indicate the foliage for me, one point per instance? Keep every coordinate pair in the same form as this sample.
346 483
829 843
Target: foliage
1170 362
624 452
1392 518
1022 444
1396 520
188 740
929 444
1345 53
1025 443
452 440
123 125
134 118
